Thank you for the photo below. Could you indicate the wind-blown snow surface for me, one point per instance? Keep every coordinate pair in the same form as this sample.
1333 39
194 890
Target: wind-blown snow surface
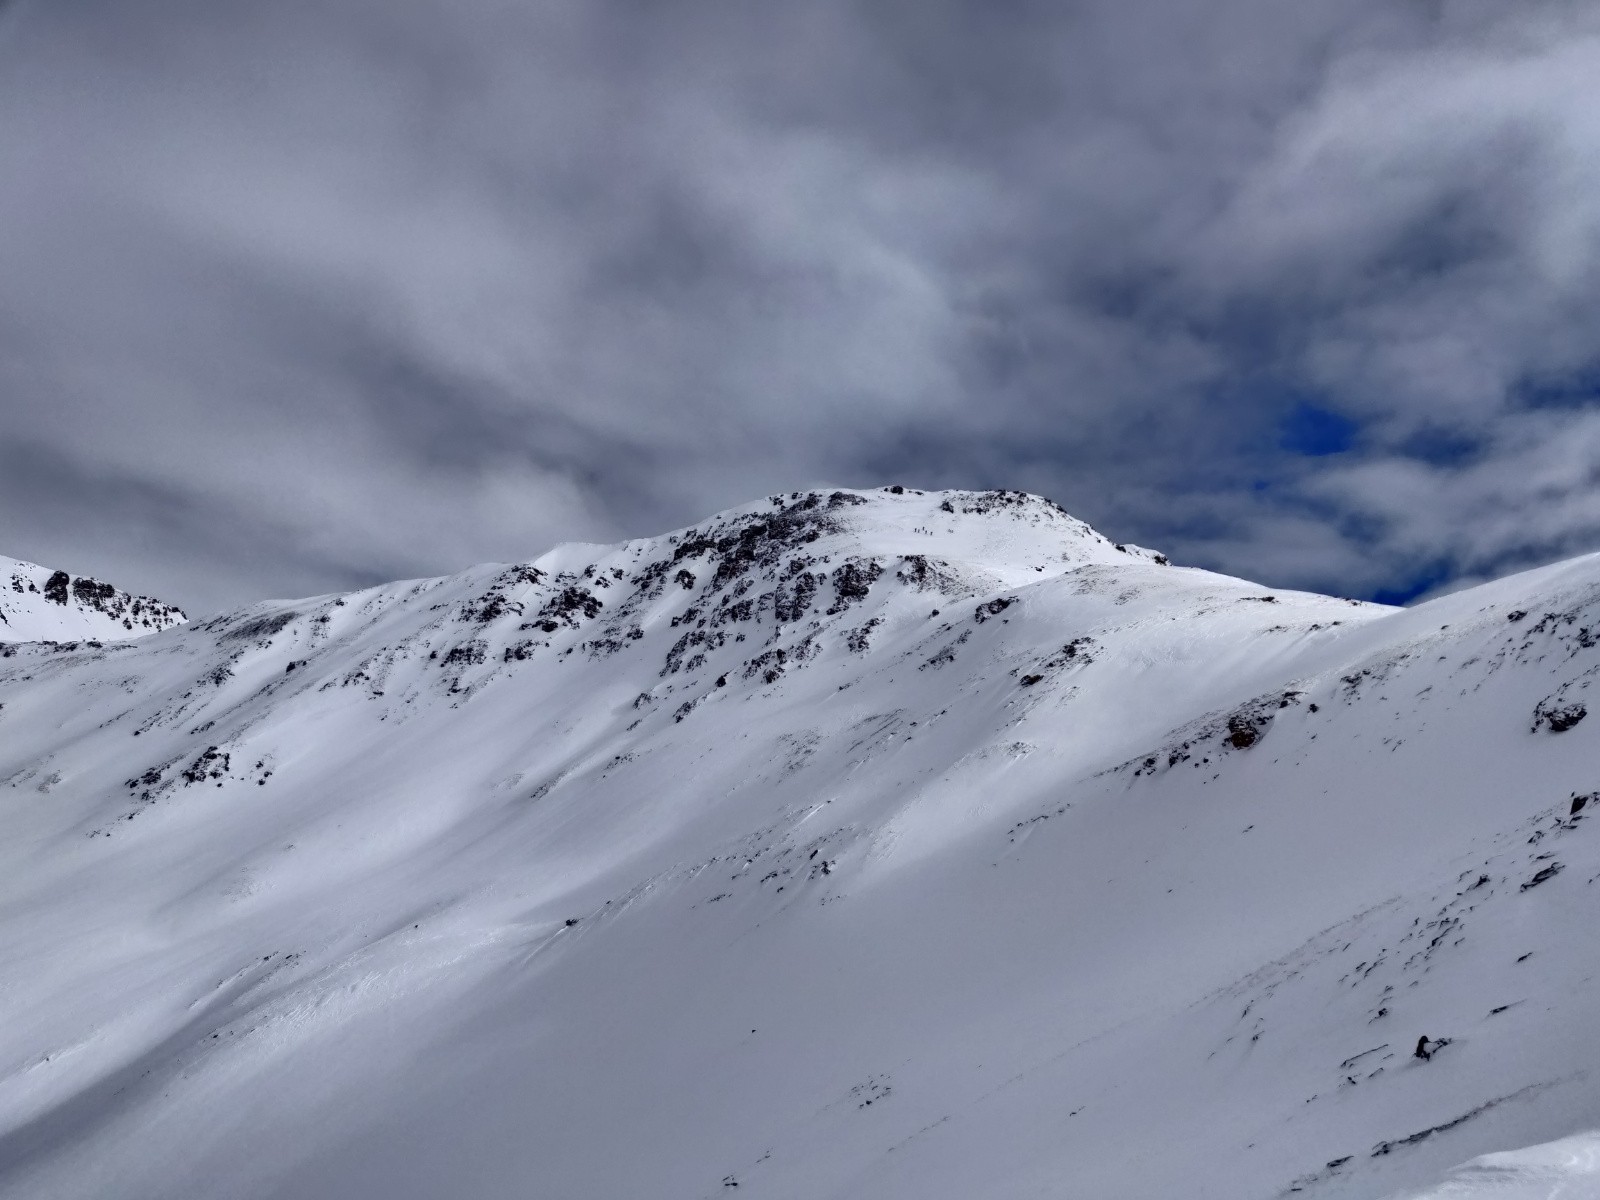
38 604
856 845
1568 1169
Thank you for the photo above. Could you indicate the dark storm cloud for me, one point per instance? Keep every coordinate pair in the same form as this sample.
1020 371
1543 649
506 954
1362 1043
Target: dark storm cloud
299 296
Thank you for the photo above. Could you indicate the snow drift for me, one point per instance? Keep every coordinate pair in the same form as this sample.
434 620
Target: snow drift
1568 1169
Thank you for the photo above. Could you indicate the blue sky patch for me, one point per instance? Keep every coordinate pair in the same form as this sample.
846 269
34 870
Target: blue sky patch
1422 582
1575 389
1441 447
1313 431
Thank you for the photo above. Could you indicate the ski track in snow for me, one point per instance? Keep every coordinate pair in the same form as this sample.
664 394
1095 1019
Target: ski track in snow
849 844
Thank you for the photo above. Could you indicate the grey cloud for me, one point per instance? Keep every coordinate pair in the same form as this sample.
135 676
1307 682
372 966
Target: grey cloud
360 288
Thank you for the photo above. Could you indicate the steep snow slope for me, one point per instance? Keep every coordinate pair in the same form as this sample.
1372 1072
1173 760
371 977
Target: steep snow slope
849 845
38 604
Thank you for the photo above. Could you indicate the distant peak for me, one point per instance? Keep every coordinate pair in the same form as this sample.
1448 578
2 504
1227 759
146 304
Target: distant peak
999 530
42 604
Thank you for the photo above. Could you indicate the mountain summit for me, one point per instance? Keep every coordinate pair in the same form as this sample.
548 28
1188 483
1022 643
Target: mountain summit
848 844
38 604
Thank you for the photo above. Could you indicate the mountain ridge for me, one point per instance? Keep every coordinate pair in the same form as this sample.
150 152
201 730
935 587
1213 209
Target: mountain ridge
41 604
849 843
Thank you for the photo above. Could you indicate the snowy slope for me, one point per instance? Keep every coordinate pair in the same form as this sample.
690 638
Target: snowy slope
848 845
38 604
1568 1169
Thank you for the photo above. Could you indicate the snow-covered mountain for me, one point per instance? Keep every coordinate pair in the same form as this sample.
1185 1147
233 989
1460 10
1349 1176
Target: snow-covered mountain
850 844
38 604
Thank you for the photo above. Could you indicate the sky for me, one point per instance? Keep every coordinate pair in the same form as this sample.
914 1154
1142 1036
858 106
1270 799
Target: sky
306 296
